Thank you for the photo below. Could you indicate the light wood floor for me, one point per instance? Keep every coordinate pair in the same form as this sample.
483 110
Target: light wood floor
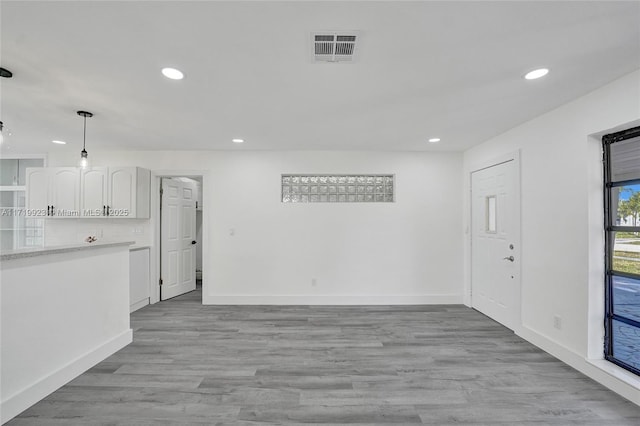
191 364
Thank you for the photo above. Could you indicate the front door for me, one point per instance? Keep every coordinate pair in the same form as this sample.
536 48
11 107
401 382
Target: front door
177 239
495 245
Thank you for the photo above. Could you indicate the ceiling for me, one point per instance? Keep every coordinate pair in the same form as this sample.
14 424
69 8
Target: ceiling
451 70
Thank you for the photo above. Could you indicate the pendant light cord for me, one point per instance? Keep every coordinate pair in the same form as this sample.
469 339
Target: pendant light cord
84 134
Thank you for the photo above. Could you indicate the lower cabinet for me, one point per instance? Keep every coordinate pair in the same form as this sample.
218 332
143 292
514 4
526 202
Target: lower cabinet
138 278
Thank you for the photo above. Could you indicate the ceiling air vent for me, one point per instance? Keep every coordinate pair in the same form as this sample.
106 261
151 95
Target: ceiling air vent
334 47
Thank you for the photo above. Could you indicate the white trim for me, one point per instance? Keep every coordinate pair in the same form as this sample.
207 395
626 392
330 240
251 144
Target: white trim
15 156
142 303
20 401
618 380
595 234
303 299
618 373
481 165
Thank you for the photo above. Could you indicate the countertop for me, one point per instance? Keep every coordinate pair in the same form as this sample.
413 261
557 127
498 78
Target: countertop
41 251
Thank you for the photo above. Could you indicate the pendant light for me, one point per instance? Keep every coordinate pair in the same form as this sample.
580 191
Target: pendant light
84 155
5 73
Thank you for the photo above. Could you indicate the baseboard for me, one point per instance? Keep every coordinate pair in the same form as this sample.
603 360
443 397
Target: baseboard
141 304
305 299
607 374
17 403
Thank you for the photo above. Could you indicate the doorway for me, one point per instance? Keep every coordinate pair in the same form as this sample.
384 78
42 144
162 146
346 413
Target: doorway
180 223
495 242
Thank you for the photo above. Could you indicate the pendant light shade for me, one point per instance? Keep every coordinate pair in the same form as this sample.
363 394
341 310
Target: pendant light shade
84 159
84 155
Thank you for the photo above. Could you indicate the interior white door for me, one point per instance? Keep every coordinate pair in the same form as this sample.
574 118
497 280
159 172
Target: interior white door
495 245
177 239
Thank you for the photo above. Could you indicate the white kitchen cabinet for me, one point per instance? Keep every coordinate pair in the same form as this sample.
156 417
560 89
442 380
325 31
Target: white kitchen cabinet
53 191
138 278
129 190
93 191
116 192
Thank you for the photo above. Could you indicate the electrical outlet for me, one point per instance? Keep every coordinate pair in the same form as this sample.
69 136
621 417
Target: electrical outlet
557 322
314 282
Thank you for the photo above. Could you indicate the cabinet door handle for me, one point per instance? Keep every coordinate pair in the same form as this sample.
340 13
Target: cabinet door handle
48 210
104 210
53 213
108 210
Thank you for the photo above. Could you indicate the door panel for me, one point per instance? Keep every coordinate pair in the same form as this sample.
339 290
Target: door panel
37 189
65 188
171 280
122 187
495 259
187 273
94 191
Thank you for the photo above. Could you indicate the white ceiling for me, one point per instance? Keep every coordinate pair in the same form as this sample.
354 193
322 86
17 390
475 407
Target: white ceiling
425 69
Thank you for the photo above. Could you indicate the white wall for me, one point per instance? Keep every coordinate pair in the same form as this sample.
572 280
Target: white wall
561 188
405 252
66 231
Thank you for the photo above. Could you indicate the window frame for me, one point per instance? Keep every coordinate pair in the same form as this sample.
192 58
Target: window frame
609 230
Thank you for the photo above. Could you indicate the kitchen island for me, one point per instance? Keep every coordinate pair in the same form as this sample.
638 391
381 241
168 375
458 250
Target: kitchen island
62 310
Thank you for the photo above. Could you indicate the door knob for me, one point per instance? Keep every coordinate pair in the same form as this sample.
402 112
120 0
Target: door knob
510 258
193 242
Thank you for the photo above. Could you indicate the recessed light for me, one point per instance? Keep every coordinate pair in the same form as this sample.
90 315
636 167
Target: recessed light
60 142
434 140
540 72
172 73
237 140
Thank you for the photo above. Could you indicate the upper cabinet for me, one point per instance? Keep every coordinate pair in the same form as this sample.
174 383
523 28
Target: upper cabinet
129 190
53 191
93 191
118 192
114 192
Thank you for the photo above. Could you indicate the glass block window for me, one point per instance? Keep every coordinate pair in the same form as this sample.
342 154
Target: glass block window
337 188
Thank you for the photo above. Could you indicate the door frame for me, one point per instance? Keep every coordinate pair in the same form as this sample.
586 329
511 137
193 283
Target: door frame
156 176
513 156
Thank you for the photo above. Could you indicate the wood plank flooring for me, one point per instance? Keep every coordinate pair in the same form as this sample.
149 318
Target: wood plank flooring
191 364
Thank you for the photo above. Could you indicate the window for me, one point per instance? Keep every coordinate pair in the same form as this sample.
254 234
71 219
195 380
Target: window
337 188
622 248
491 225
